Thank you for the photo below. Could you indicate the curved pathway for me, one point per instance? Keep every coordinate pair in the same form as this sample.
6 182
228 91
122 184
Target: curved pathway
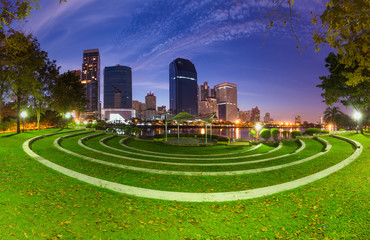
170 172
194 197
184 158
80 142
191 155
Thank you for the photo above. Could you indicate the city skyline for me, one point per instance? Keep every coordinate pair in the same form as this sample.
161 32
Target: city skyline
224 39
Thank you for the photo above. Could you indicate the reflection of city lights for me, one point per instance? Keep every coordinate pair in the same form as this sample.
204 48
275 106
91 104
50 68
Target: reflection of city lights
237 133
330 127
202 131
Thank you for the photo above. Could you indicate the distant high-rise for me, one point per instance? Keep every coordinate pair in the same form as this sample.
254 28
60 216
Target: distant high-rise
255 114
298 119
245 116
90 77
183 87
204 91
226 95
150 103
139 108
117 87
267 118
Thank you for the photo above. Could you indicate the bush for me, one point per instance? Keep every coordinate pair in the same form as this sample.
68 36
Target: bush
89 125
342 130
99 125
265 134
275 133
286 133
296 134
325 131
311 131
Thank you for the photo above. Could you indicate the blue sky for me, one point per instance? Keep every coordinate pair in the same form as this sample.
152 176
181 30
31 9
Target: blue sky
225 39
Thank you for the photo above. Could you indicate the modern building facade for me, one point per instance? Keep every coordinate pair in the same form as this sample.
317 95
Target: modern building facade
245 116
90 77
151 104
267 118
204 91
117 87
118 93
139 108
226 95
183 87
208 107
255 115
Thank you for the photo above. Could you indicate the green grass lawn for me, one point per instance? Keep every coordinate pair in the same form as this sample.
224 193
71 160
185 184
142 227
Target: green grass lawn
39 203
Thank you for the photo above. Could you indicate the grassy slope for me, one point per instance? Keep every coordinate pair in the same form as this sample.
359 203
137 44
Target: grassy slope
37 202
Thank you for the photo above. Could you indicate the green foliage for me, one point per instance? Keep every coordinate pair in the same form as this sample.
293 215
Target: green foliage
265 134
99 125
68 93
311 131
336 89
275 133
325 131
296 133
286 133
345 27
342 130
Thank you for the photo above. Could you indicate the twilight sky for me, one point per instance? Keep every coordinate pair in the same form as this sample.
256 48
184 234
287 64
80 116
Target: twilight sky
225 39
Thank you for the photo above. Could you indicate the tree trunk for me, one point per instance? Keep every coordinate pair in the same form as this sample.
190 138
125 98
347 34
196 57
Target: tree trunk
38 115
18 112
1 107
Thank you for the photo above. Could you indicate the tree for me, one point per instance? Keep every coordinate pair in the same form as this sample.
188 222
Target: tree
275 133
344 27
332 115
41 99
265 134
4 72
68 93
16 10
24 58
336 89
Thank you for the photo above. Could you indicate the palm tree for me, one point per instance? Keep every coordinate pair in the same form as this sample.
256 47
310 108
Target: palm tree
333 115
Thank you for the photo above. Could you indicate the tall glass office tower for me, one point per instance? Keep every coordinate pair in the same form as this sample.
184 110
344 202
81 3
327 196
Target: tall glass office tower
90 77
117 87
183 87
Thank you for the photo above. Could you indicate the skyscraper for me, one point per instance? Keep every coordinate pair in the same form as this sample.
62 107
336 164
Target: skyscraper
255 114
90 77
226 95
117 87
204 91
151 104
118 94
183 87
267 118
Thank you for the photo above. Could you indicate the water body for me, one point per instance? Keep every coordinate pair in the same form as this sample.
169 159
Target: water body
233 133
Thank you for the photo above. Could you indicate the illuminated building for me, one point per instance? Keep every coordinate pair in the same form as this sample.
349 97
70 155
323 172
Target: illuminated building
183 87
267 118
204 91
150 103
90 77
255 114
245 116
298 119
118 93
226 95
139 108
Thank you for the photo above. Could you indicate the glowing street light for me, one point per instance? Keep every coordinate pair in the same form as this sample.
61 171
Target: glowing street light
23 115
68 115
357 116
258 128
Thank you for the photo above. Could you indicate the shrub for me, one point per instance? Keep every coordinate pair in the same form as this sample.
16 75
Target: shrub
99 125
89 125
325 131
342 130
296 133
265 134
275 133
286 133
311 131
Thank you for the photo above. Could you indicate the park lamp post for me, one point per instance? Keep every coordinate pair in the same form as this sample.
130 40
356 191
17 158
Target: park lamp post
357 116
258 128
68 116
23 115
